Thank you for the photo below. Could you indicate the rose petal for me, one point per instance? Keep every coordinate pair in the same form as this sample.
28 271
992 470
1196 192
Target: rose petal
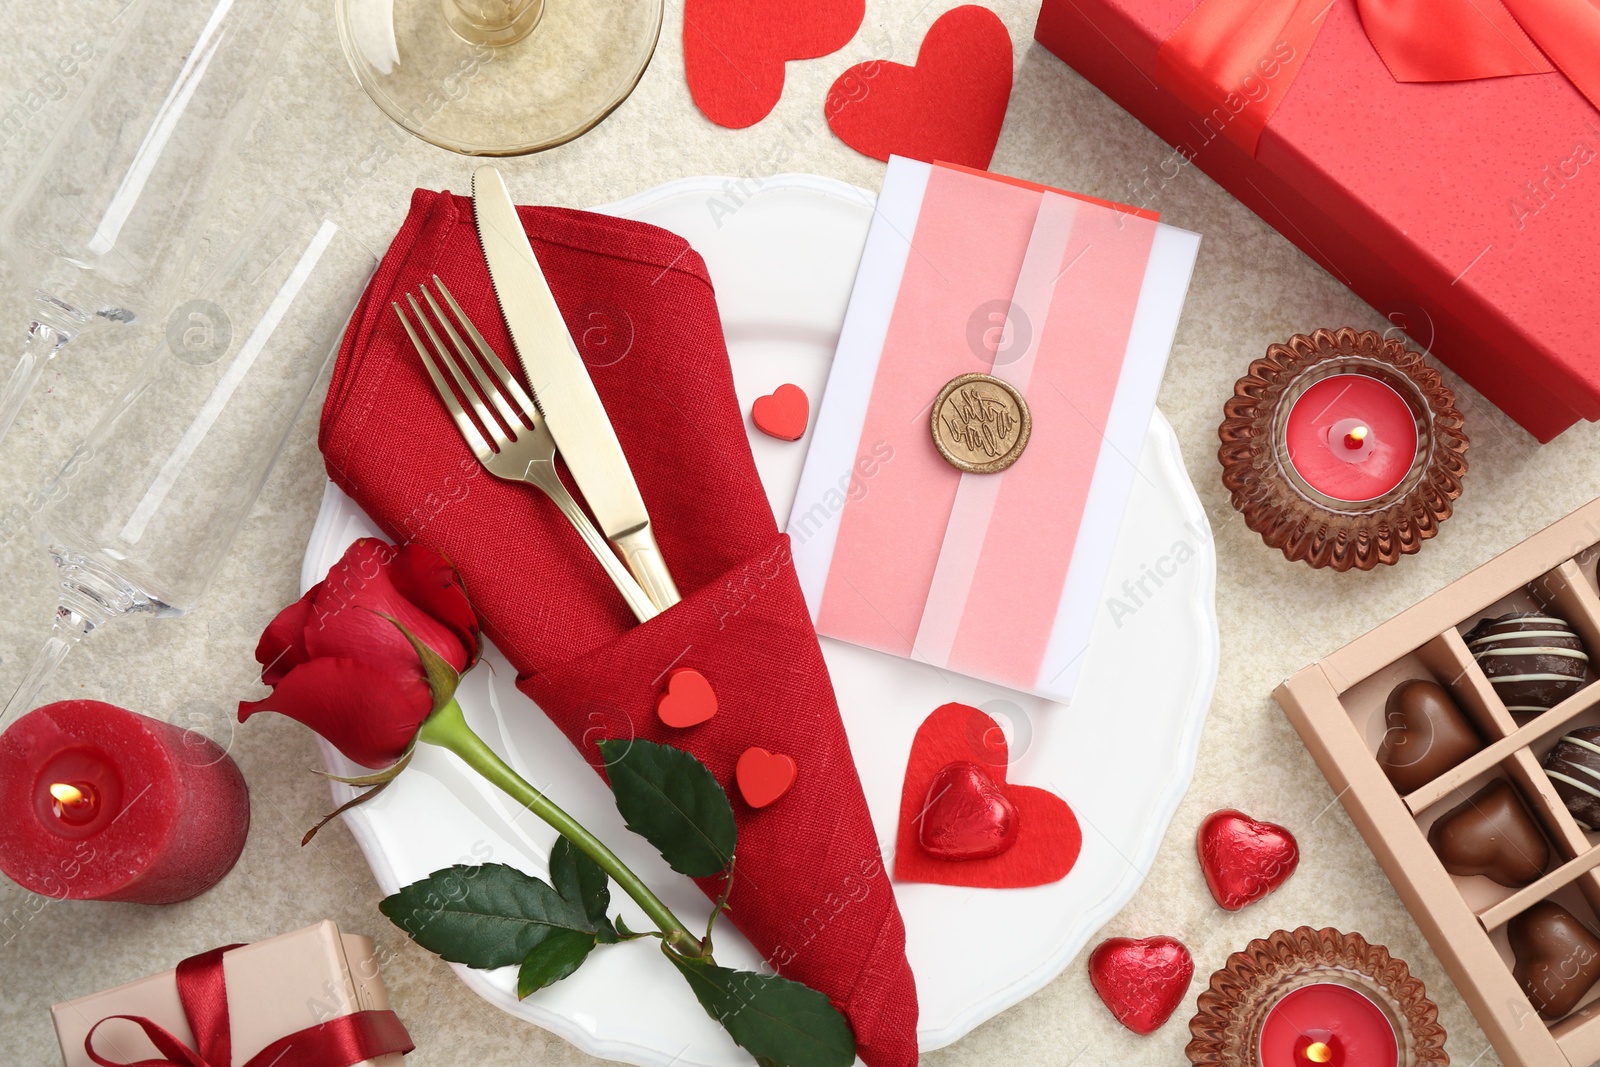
348 609
428 580
369 714
283 643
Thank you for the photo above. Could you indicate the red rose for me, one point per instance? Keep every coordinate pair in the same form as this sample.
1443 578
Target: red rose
338 665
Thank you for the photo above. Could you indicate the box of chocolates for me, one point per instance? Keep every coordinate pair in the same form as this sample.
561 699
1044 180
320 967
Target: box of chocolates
1463 738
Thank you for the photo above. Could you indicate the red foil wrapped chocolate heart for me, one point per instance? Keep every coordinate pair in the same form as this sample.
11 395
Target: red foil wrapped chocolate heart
1142 981
1243 859
967 817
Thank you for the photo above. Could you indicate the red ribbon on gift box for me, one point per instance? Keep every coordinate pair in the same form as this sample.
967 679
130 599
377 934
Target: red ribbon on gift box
202 989
1232 61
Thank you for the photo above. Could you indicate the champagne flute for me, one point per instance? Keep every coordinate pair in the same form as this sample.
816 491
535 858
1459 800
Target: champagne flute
141 515
112 212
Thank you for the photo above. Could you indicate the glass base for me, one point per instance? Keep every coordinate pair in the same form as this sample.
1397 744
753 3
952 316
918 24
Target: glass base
544 73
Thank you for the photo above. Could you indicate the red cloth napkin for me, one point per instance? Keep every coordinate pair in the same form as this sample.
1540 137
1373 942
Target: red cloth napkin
810 890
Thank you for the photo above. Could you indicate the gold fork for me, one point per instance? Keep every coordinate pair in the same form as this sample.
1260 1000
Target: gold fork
522 449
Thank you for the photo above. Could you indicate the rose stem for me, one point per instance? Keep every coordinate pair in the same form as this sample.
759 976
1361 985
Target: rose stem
448 729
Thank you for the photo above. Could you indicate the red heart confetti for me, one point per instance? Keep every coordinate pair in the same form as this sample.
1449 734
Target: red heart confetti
688 699
782 413
967 816
1047 839
1243 859
1142 981
763 776
734 51
947 108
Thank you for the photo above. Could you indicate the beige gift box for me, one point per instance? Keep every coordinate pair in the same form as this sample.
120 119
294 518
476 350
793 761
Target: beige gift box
275 988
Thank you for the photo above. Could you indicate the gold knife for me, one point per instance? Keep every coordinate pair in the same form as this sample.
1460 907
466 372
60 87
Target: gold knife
562 388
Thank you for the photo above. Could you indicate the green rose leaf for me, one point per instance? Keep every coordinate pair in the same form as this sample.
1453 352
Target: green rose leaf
580 881
669 798
557 955
486 916
772 1018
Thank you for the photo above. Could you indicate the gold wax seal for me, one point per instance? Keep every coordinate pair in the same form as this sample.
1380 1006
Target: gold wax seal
980 423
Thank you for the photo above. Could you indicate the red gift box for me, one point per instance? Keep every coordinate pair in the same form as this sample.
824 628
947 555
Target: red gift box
1463 211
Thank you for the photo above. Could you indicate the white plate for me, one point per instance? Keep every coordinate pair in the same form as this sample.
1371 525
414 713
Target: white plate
783 254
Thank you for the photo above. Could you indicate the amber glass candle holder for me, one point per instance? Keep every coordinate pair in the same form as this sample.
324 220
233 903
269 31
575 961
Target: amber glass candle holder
1231 1014
1295 516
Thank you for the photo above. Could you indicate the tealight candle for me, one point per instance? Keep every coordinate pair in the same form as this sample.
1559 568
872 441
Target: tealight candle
99 803
1327 1025
1315 998
1342 449
1351 437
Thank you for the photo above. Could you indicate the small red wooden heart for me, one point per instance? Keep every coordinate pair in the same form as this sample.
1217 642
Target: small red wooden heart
734 51
1047 837
949 107
782 413
967 816
1142 981
763 776
1243 859
688 700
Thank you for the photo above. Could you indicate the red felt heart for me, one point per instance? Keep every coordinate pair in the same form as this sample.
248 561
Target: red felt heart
1047 837
734 50
948 108
763 776
782 413
688 699
1243 859
1142 981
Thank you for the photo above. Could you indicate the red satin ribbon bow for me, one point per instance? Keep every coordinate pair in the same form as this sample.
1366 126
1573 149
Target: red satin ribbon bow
1232 61
349 1039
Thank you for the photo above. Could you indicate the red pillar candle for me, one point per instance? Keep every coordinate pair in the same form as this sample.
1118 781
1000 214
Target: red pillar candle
1351 437
98 803
1328 1025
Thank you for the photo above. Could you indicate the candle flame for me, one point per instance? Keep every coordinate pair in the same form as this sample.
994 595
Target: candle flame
1354 439
1318 1052
66 794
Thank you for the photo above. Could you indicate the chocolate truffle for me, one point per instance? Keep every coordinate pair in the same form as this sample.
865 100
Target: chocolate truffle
1425 734
1558 959
1491 834
1574 769
1534 660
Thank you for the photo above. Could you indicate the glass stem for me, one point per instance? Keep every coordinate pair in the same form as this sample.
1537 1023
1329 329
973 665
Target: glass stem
66 631
448 729
37 350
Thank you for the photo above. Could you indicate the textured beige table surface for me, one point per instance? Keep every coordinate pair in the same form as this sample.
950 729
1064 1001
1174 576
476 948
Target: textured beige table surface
322 141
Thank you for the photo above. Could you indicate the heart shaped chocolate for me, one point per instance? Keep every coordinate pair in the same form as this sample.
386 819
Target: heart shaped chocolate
1425 735
1491 834
1558 959
1142 981
1244 860
967 816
